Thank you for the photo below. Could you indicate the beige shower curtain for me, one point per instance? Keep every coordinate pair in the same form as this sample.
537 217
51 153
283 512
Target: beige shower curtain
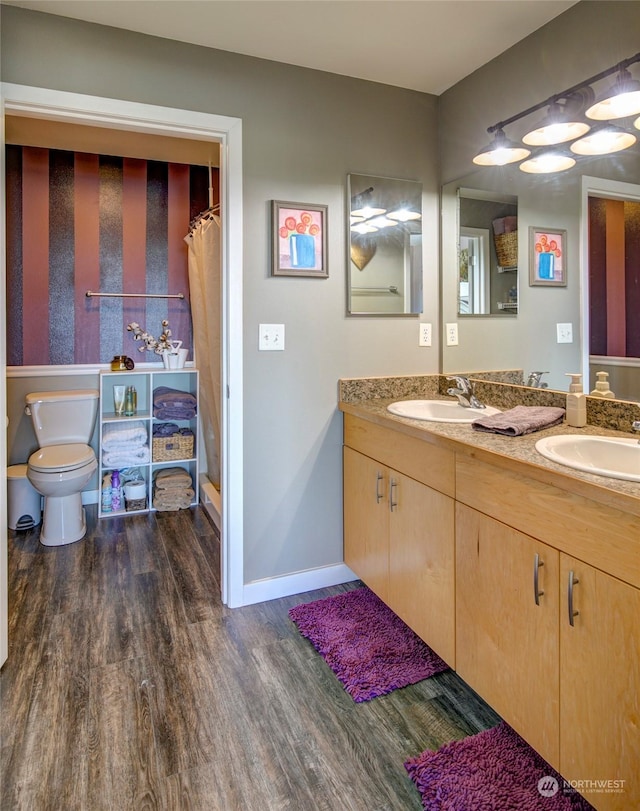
203 240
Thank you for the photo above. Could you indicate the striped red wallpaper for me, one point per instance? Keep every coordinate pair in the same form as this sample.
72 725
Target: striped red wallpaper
614 277
78 222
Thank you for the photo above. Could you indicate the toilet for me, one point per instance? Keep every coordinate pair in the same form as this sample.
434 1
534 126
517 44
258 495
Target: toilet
63 422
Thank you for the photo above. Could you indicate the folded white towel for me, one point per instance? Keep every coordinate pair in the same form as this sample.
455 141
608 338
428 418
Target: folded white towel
128 458
130 432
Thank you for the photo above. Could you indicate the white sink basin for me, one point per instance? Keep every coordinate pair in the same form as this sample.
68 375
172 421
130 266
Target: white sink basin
615 457
439 410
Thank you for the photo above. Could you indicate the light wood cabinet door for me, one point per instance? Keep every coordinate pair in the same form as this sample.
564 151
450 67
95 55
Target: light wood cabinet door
506 640
421 562
600 685
366 521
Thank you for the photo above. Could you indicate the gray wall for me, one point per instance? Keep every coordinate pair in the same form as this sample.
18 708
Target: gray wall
586 39
303 132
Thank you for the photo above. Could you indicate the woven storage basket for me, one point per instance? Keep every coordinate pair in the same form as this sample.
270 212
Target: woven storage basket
169 448
506 249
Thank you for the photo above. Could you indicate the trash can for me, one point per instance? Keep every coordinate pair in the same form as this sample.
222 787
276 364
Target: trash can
23 500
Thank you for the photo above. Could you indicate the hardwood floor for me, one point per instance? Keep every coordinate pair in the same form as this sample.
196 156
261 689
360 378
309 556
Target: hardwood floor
129 686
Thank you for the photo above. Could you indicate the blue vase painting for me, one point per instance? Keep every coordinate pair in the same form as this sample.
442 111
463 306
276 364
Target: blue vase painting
303 250
300 239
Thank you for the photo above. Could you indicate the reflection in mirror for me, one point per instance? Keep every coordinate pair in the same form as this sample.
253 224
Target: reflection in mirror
612 345
385 246
487 253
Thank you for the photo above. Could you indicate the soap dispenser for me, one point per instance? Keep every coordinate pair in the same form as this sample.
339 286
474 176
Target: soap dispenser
576 403
602 386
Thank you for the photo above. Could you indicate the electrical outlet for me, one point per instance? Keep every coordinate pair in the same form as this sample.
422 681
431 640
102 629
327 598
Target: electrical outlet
424 338
565 333
452 334
271 337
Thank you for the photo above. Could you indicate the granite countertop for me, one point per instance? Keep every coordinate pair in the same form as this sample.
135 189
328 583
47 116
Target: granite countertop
517 454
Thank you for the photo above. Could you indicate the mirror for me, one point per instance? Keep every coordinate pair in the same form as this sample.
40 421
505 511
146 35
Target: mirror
384 246
530 341
487 253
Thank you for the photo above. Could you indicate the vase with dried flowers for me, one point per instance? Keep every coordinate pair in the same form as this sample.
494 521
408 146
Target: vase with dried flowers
173 356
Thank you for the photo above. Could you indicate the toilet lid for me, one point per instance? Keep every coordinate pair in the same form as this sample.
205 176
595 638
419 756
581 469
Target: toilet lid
61 458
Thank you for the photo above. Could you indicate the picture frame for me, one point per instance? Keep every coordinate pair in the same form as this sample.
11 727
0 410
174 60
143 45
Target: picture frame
547 257
299 239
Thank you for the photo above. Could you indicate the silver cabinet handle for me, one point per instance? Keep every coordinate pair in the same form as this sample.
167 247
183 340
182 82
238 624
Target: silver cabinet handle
573 580
379 495
537 563
392 486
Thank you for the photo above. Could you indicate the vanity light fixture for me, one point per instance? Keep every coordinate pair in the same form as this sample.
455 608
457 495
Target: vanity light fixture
381 222
604 141
501 150
622 99
566 121
363 228
547 162
561 124
406 215
368 211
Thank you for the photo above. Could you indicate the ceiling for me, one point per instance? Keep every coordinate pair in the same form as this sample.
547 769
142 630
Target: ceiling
425 45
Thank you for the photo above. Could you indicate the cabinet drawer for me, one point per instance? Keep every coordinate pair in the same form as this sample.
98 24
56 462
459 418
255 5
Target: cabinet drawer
605 537
420 460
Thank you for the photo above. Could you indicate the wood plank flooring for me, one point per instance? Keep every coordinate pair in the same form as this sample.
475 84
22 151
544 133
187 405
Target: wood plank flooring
129 686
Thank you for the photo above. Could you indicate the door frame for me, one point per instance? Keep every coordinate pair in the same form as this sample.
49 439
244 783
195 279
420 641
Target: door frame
37 102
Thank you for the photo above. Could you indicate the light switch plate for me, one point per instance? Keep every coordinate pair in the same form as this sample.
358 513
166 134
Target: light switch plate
452 334
565 333
271 337
424 338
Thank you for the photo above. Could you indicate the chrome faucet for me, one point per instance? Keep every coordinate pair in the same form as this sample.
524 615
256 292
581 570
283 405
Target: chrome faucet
464 392
535 378
635 426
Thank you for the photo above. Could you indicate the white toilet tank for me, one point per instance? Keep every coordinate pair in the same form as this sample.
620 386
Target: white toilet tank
63 417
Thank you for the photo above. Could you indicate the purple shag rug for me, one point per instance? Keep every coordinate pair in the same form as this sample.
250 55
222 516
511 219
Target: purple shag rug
495 769
368 647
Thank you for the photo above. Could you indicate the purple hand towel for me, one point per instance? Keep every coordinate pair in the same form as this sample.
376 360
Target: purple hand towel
164 397
520 420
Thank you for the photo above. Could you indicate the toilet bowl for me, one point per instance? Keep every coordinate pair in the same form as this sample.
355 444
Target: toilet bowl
65 462
59 473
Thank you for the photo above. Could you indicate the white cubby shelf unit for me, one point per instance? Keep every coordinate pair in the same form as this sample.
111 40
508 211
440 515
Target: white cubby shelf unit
145 382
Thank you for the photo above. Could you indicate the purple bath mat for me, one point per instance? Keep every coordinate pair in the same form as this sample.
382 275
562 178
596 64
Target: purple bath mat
492 770
368 647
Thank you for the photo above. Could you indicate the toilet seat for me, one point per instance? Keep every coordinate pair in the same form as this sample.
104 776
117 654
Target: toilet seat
61 458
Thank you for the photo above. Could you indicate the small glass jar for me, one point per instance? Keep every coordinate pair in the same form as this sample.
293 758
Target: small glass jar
118 364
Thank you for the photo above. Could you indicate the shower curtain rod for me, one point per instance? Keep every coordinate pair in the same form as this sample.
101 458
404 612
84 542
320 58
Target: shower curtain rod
391 289
89 294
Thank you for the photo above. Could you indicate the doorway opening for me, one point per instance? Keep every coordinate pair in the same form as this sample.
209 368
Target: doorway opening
158 122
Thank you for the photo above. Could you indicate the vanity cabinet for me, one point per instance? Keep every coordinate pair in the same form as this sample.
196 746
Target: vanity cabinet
476 552
566 672
366 521
600 684
399 531
507 608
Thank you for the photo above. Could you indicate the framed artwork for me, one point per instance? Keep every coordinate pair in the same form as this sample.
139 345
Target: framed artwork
299 236
547 256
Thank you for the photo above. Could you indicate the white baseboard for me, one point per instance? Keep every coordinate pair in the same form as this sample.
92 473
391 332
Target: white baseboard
259 591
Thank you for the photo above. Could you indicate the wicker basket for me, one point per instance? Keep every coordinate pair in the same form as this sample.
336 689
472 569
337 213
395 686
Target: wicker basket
507 249
170 448
135 504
